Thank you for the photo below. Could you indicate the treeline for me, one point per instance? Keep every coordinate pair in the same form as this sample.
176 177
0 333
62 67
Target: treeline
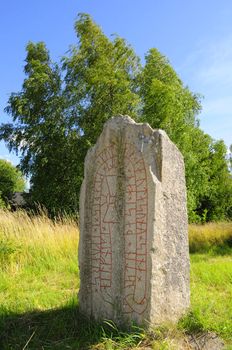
61 108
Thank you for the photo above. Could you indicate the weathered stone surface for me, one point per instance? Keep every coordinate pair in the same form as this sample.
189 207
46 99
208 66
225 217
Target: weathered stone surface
133 252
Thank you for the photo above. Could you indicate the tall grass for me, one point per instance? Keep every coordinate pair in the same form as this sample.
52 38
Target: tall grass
28 239
214 237
38 261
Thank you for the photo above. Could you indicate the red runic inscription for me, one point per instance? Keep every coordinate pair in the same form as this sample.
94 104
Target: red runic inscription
104 219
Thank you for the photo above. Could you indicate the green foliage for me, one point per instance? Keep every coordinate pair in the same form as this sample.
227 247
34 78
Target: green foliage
47 143
2 203
100 79
209 183
230 159
168 105
61 109
216 201
11 180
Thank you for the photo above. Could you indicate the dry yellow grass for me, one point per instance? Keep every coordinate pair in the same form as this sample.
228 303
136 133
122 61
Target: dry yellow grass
24 237
210 235
61 236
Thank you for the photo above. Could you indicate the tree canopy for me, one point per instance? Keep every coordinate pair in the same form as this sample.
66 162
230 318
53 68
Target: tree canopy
61 108
11 180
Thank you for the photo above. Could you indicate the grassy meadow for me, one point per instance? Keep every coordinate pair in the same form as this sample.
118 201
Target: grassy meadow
39 280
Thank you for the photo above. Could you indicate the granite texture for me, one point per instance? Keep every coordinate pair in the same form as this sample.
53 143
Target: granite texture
133 251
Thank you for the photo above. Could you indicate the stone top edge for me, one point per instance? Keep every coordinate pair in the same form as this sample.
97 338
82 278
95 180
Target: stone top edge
126 119
120 120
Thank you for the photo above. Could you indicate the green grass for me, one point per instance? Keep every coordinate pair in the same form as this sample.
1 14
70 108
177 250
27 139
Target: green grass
39 280
211 293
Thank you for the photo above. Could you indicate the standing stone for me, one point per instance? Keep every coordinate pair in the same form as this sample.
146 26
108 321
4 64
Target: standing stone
133 252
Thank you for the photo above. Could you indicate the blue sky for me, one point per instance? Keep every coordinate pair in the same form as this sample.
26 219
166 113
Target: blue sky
195 35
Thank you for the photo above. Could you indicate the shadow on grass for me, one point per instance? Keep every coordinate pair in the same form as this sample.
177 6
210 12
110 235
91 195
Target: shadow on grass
212 250
63 328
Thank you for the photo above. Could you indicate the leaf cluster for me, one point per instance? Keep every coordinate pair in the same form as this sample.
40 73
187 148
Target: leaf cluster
11 180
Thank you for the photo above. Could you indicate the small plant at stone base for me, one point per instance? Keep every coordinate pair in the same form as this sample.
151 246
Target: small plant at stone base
113 338
165 337
191 323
